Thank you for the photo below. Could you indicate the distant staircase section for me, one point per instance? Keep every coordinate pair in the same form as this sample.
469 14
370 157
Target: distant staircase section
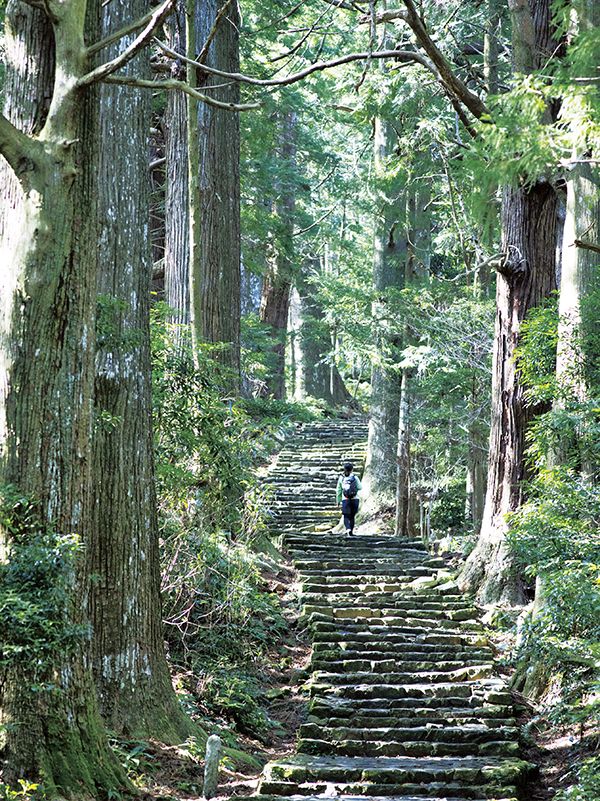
304 475
405 703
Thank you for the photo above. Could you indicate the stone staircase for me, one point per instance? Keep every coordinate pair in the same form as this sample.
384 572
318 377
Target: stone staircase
404 701
305 474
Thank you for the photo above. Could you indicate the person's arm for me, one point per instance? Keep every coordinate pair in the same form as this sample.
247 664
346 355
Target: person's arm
338 491
358 484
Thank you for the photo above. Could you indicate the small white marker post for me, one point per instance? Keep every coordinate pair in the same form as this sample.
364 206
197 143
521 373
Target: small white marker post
211 766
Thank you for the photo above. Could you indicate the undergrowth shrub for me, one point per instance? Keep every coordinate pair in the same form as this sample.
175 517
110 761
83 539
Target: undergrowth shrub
556 533
212 509
35 580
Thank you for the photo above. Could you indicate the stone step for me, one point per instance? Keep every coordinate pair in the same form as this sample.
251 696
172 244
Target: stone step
403 701
439 731
390 776
416 748
356 666
342 710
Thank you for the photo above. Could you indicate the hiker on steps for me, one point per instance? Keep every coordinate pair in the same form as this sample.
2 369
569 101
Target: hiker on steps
347 488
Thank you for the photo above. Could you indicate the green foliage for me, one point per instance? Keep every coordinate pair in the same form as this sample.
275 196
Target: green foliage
448 511
214 602
206 441
587 775
134 756
536 354
236 696
27 792
35 581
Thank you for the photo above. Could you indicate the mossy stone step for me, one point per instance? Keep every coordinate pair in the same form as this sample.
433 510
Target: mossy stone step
406 650
361 666
464 672
364 774
446 715
418 748
434 732
343 708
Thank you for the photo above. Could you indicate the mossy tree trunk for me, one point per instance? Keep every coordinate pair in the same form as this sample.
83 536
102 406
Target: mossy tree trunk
133 684
48 256
528 277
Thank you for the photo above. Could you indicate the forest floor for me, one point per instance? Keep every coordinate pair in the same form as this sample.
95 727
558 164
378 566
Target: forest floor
175 773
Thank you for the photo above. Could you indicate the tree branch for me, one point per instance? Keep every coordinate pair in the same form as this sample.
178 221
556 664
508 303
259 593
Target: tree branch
16 147
449 80
114 37
124 80
400 55
213 32
157 17
587 245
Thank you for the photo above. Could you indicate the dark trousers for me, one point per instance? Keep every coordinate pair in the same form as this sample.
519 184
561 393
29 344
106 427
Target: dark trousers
349 510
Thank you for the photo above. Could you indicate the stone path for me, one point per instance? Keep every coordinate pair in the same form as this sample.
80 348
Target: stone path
404 701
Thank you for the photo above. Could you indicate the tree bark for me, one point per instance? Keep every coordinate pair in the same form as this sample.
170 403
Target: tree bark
529 225
217 287
133 684
529 235
278 278
177 196
48 257
389 252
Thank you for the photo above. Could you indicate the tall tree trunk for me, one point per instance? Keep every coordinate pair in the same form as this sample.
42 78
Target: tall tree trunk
48 257
388 270
278 278
135 693
216 286
404 524
529 219
177 203
528 277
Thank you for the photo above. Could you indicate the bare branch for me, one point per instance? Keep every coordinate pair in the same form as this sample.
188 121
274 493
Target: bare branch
124 80
452 84
400 55
157 17
213 32
587 245
352 6
114 37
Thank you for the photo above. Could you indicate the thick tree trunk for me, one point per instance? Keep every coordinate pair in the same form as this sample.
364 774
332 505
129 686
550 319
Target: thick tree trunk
134 689
216 290
529 233
529 219
389 253
48 257
404 524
